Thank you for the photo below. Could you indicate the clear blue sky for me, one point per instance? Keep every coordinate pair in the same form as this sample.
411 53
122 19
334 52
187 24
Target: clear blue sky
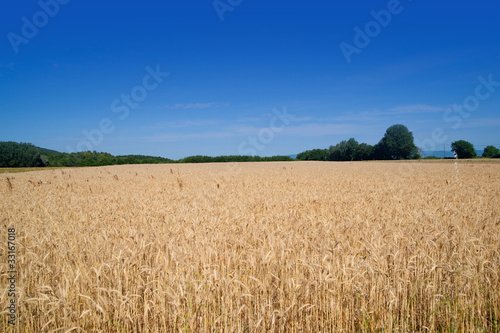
72 75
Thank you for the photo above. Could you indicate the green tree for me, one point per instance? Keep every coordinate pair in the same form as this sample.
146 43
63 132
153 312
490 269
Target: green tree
13 154
313 155
349 149
364 152
491 151
343 151
333 153
463 149
397 144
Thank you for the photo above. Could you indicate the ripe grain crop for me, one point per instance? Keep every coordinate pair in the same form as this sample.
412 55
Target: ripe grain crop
255 247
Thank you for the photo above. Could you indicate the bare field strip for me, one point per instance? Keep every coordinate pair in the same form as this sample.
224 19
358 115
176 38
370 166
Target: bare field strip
17 170
255 247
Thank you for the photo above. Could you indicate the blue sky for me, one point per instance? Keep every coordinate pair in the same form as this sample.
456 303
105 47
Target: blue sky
246 76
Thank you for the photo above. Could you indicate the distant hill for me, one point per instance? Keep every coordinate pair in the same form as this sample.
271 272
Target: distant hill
439 153
13 154
45 151
23 154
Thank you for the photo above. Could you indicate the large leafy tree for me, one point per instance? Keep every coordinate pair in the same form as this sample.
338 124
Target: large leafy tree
491 151
397 144
464 149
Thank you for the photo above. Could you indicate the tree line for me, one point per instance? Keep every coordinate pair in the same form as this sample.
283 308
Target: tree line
13 154
397 143
465 149
233 158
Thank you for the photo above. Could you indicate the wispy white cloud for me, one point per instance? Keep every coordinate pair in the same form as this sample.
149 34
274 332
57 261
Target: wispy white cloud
181 123
349 124
405 69
300 119
168 137
196 105
192 123
419 108
303 130
250 119
480 123
408 109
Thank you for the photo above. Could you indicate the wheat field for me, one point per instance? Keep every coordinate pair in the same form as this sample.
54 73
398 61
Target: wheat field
255 247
